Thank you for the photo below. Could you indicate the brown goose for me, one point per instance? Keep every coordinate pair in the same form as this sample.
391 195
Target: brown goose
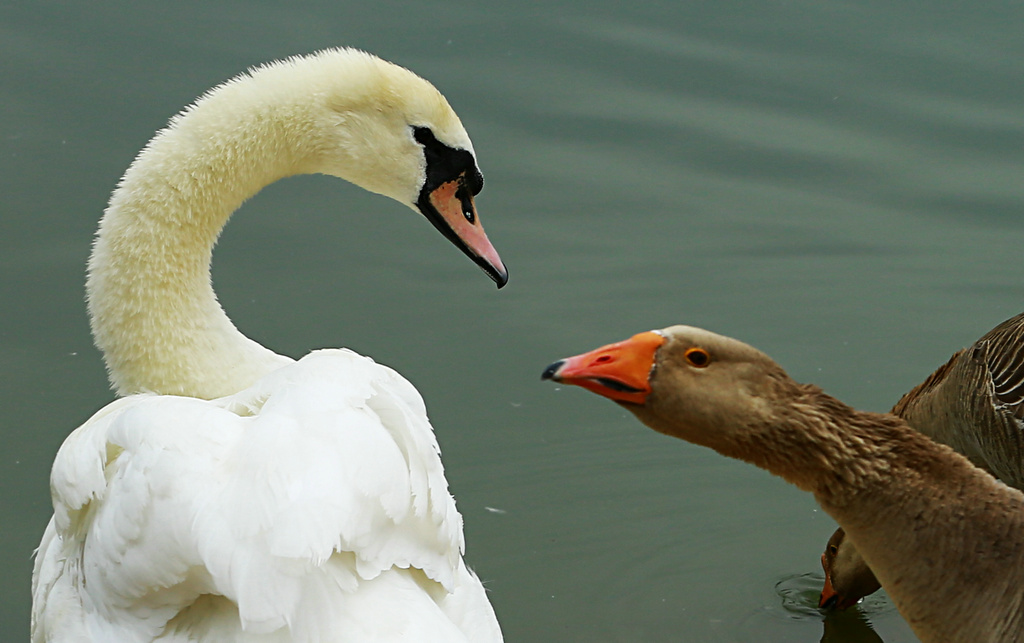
945 538
847 577
975 404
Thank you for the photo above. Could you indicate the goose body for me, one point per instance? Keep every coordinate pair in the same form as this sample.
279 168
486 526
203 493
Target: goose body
231 493
973 403
944 537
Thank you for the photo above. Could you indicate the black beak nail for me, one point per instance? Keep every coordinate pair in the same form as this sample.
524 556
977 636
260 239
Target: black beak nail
500 278
550 371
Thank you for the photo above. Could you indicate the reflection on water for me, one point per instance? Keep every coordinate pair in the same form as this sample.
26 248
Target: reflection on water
850 626
799 601
799 594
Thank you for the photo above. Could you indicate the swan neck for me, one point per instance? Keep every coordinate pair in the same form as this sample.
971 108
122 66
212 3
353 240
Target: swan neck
153 311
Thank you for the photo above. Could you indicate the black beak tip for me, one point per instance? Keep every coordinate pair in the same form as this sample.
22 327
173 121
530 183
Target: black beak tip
552 369
831 603
499 277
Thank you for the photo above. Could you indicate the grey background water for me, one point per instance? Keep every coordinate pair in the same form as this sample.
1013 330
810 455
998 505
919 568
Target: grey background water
837 183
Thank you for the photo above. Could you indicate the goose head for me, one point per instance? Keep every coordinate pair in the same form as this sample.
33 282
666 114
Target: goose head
685 382
847 577
906 501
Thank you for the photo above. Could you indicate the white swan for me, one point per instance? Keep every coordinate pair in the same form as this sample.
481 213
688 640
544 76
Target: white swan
236 494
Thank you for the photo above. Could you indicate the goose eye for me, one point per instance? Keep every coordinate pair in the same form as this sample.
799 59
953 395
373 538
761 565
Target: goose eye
697 357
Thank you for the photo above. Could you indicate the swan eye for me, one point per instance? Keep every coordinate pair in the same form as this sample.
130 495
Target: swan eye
832 549
697 357
467 201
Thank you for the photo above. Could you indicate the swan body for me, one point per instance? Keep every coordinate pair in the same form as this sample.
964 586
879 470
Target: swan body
234 494
352 510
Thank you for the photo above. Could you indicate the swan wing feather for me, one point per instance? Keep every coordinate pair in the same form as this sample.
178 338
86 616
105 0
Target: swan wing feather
323 477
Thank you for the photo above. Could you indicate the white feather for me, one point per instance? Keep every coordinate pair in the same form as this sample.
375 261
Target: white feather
306 502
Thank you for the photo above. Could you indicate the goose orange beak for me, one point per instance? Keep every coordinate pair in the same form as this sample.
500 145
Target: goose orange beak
830 598
620 371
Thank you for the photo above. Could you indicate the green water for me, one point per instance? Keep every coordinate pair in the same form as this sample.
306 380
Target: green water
837 183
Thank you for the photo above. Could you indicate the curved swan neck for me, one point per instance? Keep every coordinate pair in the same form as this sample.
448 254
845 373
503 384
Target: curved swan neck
152 307
151 304
340 112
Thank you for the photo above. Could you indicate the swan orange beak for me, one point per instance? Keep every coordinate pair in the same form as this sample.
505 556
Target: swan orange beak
620 372
453 213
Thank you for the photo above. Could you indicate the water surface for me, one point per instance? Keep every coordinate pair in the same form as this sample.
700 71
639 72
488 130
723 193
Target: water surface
837 183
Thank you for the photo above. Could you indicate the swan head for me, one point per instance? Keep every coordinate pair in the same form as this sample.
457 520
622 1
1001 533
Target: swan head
339 112
384 128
